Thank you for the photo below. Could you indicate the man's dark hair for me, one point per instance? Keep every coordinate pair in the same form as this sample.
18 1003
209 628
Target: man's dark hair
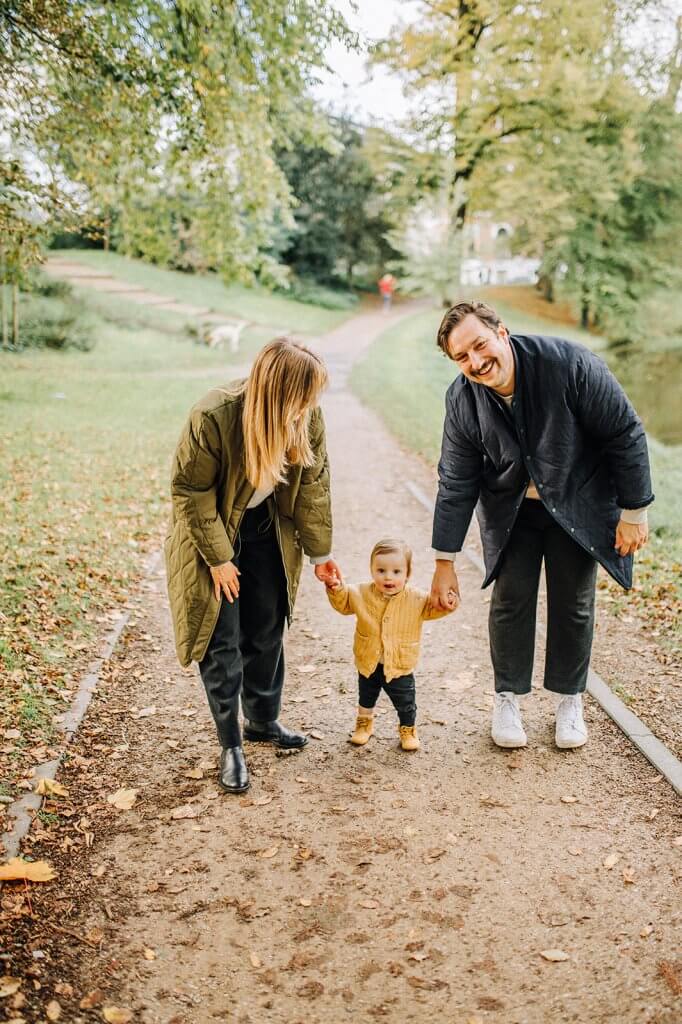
455 315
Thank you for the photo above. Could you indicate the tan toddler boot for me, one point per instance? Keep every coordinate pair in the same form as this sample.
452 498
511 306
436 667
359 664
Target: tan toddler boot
408 737
364 727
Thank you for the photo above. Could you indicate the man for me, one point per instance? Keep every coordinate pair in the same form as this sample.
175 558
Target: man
540 437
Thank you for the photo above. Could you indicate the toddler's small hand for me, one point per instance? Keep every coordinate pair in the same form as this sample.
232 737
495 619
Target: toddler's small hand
336 585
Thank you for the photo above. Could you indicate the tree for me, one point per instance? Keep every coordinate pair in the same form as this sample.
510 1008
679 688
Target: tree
499 78
341 215
120 98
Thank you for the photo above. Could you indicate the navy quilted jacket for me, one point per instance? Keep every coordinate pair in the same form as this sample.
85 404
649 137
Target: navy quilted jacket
571 429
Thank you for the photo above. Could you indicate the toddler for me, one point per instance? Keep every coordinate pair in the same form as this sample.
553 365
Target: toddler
389 616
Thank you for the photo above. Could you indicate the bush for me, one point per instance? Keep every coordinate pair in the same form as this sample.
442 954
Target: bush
39 283
54 323
307 290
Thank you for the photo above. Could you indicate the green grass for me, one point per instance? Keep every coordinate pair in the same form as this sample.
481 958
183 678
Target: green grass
404 378
207 290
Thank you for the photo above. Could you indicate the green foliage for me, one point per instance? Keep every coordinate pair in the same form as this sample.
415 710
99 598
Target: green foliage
156 122
340 213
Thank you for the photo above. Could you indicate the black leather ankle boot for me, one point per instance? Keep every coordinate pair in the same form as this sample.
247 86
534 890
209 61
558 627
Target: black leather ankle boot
234 775
275 733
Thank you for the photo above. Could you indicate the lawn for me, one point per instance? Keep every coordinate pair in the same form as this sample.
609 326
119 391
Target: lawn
88 439
404 377
256 304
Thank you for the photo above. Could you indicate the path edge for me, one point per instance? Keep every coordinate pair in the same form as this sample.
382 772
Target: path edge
23 809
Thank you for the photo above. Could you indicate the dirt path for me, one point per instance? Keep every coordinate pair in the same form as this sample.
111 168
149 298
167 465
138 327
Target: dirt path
355 884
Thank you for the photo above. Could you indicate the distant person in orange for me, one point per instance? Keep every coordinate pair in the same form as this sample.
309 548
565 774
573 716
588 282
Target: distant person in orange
387 285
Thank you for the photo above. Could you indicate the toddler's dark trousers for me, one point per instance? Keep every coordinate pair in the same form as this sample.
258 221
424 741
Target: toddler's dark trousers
245 655
401 691
570 573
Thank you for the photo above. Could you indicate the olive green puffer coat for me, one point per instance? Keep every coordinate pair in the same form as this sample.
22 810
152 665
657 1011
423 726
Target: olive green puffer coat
210 492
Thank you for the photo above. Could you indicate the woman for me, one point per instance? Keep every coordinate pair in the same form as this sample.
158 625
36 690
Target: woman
250 492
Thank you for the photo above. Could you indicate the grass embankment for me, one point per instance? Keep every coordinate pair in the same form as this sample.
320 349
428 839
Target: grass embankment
207 290
88 438
404 377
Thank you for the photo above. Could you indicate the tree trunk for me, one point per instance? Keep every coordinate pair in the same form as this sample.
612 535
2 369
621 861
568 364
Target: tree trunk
15 314
585 314
546 287
3 307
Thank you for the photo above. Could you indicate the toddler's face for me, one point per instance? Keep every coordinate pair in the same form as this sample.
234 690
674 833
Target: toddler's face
389 572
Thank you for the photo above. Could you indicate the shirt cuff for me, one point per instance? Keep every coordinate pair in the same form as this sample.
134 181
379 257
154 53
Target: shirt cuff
320 559
445 556
634 516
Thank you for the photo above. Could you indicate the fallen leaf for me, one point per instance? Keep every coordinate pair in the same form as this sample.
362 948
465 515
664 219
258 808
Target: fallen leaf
48 787
316 735
261 801
301 778
418 957
62 988
322 693
92 999
149 954
53 1010
369 904
629 876
95 935
26 870
653 814
117 1015
646 931
11 734
671 972
271 851
256 961
611 861
555 956
145 712
193 773
575 851
185 811
307 670
305 902
569 799
99 870
304 853
450 838
435 853
123 799
298 700
8 986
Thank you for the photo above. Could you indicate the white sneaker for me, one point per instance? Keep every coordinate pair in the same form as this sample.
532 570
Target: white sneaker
507 729
571 731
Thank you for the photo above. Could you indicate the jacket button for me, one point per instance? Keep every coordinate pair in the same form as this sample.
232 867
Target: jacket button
573 529
553 510
591 549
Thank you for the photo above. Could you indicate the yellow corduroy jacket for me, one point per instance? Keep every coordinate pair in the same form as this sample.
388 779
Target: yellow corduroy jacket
388 629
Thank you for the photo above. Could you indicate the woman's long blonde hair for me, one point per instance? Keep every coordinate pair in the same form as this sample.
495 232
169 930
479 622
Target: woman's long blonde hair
284 384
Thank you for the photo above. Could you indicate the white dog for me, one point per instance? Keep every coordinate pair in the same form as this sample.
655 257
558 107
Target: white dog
216 335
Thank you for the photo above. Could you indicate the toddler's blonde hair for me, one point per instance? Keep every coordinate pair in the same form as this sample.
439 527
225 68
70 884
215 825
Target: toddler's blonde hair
391 546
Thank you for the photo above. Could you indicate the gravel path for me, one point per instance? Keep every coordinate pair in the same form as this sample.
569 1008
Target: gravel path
363 884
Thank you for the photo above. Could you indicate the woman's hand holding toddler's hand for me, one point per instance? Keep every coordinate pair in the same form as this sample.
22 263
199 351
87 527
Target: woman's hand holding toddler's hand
329 573
226 580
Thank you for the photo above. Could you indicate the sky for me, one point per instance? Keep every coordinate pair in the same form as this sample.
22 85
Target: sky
368 95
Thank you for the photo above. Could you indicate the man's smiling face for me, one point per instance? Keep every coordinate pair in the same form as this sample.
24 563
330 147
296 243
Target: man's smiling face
483 355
